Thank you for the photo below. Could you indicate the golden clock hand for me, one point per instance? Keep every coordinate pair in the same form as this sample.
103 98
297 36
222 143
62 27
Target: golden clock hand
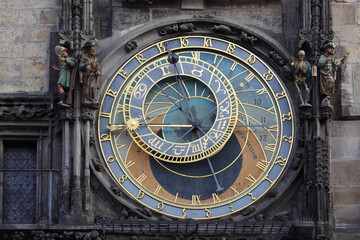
249 125
173 59
218 186
114 127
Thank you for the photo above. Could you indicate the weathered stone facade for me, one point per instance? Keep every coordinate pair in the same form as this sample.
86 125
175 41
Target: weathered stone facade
345 155
29 29
25 45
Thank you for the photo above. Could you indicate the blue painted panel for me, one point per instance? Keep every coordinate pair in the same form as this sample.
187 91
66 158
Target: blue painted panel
108 152
103 123
220 45
116 170
242 202
244 55
194 41
116 83
131 66
131 188
219 211
261 189
149 53
173 210
107 104
260 67
136 113
275 86
275 171
143 130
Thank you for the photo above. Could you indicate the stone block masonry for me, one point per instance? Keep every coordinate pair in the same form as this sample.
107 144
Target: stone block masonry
25 27
346 25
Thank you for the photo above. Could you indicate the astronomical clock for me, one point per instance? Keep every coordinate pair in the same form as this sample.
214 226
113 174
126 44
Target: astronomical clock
195 127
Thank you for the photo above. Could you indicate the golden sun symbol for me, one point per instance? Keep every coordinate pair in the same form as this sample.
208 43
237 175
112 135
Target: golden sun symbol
132 124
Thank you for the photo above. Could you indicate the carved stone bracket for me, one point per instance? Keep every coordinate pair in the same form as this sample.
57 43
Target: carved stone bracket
66 114
223 29
175 28
326 112
247 38
306 111
88 112
130 46
277 58
24 108
97 164
23 112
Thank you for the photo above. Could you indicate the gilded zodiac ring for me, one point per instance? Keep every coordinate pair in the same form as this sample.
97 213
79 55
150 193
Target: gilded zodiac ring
206 143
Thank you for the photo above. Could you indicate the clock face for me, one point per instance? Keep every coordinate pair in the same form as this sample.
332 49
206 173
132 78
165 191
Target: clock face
196 127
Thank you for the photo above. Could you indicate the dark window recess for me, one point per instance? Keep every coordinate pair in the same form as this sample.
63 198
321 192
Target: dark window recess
19 189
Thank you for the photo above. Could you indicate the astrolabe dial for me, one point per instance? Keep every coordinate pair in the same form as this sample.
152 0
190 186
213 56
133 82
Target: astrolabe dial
198 110
201 137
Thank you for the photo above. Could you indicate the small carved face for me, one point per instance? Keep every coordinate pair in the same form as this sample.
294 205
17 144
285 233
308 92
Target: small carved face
91 51
301 55
330 51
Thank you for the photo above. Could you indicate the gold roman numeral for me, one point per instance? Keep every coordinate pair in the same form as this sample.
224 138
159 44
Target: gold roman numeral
270 147
233 66
141 178
250 178
195 200
130 163
249 77
261 91
157 190
273 128
195 57
262 164
103 114
216 197
235 191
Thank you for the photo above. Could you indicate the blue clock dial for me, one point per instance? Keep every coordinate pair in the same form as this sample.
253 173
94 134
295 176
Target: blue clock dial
201 137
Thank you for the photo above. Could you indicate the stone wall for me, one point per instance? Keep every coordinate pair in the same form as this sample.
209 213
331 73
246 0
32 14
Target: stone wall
345 134
25 27
345 166
263 15
346 26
